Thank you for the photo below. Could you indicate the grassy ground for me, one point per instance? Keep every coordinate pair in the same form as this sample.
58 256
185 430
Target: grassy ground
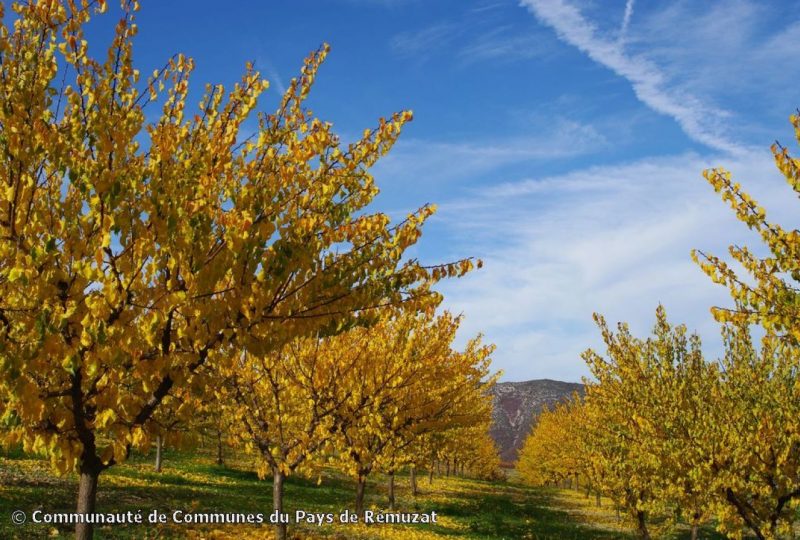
192 482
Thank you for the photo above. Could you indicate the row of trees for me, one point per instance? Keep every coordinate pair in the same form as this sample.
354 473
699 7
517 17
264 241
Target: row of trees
156 262
665 433
387 397
370 399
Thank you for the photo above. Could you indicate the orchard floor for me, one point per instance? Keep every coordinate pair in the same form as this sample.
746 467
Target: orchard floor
193 483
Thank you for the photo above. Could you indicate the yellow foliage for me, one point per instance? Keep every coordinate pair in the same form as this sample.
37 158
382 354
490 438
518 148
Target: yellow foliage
140 247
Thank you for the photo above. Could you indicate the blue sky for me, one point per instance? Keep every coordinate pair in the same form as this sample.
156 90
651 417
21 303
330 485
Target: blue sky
563 140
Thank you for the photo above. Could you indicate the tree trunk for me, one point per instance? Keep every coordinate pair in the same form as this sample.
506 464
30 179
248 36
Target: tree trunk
361 485
219 449
159 446
391 490
413 477
430 473
694 531
577 483
597 499
277 503
87 496
447 467
641 523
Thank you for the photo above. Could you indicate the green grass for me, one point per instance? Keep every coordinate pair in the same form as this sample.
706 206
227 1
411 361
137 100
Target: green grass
192 482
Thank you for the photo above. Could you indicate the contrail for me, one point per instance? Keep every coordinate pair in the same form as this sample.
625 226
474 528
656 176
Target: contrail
653 86
626 19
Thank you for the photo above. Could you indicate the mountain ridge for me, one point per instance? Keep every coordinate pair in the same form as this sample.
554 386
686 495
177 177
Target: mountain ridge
516 406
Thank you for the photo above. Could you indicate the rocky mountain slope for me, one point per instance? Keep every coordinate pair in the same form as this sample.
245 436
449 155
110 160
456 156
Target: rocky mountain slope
518 404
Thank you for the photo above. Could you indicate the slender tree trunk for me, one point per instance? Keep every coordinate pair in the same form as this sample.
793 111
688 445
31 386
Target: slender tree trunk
430 472
391 490
641 523
695 529
220 461
597 499
87 496
277 502
361 485
447 467
159 447
577 484
413 477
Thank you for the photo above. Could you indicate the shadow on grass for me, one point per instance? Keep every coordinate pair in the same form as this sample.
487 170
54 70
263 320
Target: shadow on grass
516 512
192 482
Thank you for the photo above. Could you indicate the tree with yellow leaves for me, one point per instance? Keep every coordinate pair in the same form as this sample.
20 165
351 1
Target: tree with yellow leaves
410 383
282 406
463 441
171 426
662 432
465 447
649 414
133 253
756 461
682 388
618 402
552 451
472 450
772 300
761 449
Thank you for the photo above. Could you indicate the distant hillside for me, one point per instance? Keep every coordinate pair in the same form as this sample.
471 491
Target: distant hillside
518 404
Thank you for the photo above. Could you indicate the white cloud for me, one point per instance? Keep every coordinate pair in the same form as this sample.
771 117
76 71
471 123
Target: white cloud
478 33
729 50
612 239
422 43
502 44
275 80
433 161
699 120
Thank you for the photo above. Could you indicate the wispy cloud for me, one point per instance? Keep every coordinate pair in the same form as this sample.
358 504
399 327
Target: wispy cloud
422 43
488 5
613 239
275 80
698 119
502 44
479 33
732 49
439 162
